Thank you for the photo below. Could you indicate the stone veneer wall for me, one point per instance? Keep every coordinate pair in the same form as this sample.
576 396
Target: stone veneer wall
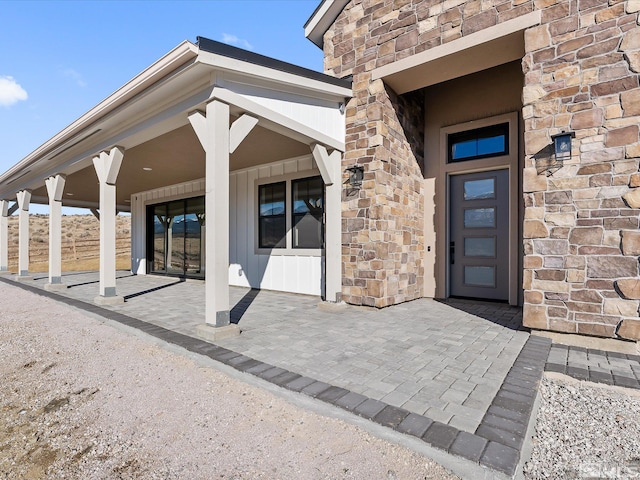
581 222
383 222
581 242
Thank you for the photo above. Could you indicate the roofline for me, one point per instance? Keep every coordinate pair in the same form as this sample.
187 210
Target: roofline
177 57
229 51
321 20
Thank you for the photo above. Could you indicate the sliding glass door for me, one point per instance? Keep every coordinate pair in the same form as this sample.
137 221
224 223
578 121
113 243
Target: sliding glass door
176 232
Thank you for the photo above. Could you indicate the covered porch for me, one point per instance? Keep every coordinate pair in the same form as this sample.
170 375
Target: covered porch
209 128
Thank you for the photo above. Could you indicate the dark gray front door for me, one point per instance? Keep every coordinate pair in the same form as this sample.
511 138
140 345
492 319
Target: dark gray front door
479 235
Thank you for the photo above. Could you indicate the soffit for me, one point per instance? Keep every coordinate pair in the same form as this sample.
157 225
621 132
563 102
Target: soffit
174 157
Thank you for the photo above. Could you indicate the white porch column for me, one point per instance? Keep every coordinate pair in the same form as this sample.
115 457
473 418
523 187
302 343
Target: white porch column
217 210
55 188
218 139
107 166
4 237
330 169
24 198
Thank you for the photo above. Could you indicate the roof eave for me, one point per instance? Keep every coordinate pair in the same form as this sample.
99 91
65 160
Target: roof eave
180 55
322 19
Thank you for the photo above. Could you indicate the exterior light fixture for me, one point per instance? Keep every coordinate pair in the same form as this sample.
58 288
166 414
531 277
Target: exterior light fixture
356 174
147 169
562 145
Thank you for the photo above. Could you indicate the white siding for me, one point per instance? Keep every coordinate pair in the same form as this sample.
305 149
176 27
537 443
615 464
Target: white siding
321 115
247 268
289 273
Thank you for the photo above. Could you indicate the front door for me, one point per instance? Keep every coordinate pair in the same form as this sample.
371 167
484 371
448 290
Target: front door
479 235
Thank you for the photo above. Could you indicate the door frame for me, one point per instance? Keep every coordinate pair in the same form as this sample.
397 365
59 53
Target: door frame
442 195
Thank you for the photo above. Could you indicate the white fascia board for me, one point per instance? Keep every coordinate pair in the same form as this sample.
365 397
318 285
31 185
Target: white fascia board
254 73
183 53
275 121
322 19
67 202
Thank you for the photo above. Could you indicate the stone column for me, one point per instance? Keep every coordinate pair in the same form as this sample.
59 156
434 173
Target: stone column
55 188
4 237
107 166
24 198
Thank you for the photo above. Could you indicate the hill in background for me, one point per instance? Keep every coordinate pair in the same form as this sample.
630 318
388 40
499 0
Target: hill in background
80 243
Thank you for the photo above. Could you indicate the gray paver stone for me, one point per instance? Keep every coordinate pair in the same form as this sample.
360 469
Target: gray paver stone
315 388
391 416
332 394
299 383
440 435
503 437
414 424
500 457
284 378
369 408
351 400
271 373
469 446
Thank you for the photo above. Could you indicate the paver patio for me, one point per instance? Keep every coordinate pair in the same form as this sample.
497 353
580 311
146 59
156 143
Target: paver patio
430 358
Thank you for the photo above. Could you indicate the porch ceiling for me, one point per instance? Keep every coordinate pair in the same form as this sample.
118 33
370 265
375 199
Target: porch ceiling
173 157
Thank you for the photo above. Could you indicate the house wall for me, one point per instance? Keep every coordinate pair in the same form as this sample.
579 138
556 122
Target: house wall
296 273
495 92
581 240
580 71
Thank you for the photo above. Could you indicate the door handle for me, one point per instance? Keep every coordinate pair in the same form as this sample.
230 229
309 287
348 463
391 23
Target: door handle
452 252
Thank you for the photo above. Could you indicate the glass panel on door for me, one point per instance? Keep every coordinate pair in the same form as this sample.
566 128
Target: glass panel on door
479 235
175 237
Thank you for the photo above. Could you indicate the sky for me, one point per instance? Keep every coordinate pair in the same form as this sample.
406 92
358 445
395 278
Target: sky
58 59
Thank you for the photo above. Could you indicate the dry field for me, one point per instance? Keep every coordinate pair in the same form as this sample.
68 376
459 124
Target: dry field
80 243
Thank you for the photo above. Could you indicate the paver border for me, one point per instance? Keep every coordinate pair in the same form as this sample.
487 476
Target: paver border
596 376
496 443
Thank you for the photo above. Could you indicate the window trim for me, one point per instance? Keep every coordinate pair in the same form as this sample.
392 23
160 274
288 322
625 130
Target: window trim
260 216
293 214
288 250
477 134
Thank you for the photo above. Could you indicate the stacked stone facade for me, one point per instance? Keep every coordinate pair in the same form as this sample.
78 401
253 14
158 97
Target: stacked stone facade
581 240
581 234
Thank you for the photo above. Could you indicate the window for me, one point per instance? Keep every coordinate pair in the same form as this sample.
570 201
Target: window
308 207
291 215
483 142
272 224
175 232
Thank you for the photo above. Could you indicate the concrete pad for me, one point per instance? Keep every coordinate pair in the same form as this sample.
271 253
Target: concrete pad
23 278
115 300
55 287
213 334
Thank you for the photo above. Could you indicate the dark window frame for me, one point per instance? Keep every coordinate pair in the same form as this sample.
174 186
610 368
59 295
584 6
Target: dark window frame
294 214
282 215
478 134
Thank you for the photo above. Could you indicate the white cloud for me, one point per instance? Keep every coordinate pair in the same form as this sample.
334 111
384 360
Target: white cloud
74 75
238 42
10 91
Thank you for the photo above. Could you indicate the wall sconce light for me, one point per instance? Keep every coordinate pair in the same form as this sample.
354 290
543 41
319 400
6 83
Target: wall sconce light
356 174
562 145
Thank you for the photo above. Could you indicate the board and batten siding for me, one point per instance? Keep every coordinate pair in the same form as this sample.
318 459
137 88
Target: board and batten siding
288 273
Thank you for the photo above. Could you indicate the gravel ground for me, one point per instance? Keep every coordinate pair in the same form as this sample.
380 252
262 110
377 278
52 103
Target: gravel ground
584 430
82 399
